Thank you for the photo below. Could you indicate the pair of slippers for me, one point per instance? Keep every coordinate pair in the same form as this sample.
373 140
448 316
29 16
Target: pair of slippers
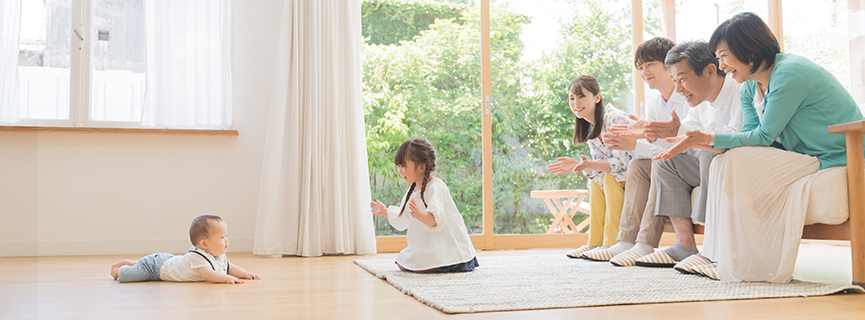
699 265
627 258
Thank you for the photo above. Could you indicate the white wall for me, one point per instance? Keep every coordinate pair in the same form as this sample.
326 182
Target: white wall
81 194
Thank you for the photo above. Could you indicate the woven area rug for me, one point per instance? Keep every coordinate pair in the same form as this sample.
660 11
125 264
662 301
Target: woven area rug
554 281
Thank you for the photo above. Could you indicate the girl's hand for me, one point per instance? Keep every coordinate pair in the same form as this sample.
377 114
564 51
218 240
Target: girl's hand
252 276
564 165
422 216
691 139
582 165
624 142
378 208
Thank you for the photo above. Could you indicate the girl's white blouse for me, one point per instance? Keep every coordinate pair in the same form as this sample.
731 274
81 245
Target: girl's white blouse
445 244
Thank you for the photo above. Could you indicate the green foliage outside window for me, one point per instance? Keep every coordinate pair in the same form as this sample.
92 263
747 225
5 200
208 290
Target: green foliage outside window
426 83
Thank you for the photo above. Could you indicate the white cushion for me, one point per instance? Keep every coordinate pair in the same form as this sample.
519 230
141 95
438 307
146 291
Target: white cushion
828 199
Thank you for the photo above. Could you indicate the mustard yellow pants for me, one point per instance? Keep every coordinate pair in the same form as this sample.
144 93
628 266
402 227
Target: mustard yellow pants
606 206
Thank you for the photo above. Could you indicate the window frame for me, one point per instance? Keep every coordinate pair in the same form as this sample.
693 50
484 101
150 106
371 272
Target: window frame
491 241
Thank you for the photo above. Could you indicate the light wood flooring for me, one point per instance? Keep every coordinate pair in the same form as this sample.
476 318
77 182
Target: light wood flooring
333 287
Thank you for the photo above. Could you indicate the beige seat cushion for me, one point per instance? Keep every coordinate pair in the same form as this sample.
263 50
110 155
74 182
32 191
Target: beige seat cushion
828 203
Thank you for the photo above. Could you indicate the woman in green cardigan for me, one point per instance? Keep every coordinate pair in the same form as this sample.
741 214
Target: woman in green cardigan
759 195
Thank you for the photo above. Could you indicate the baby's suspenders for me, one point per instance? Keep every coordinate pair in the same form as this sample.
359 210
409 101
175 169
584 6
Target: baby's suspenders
227 266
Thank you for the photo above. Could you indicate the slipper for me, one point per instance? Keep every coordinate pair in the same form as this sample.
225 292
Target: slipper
688 264
659 259
707 270
627 258
576 253
597 254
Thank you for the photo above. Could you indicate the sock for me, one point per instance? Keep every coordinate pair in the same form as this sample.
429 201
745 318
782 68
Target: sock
642 249
591 246
620 247
678 252
603 247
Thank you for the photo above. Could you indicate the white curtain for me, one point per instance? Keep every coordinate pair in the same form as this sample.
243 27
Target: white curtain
314 196
10 26
188 48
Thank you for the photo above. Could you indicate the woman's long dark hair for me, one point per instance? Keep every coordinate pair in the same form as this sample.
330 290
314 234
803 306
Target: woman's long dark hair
582 86
419 151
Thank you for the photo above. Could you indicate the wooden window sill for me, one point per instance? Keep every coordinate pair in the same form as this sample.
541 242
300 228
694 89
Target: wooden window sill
183 132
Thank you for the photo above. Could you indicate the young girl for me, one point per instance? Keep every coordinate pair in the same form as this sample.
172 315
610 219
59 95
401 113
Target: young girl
606 170
437 236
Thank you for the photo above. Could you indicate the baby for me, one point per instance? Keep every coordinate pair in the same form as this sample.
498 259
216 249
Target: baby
205 261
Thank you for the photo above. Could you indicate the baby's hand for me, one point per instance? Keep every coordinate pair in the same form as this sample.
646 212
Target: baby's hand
378 208
233 280
252 276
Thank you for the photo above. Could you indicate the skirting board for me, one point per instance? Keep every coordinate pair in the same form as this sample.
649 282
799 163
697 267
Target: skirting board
106 247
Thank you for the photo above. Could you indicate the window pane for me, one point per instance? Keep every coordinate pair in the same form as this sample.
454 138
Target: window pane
117 60
44 59
697 19
538 48
421 78
817 29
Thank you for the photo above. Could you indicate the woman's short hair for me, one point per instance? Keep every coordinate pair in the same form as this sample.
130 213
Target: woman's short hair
654 49
698 55
749 39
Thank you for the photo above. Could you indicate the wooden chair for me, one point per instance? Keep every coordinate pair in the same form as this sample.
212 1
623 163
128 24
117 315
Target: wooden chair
563 212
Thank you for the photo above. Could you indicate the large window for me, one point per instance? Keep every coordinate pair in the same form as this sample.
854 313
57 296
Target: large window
824 38
697 19
116 63
421 78
539 48
486 81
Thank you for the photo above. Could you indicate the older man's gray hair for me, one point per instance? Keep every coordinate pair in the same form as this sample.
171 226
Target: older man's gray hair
697 53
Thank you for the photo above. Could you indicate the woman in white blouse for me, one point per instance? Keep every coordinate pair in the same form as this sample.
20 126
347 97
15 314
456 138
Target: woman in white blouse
437 236
606 170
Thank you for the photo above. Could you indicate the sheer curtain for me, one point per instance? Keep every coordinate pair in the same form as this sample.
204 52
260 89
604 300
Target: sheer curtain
10 26
314 196
188 45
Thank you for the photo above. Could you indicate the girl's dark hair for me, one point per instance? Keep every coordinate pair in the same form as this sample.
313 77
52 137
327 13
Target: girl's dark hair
419 151
578 87
749 39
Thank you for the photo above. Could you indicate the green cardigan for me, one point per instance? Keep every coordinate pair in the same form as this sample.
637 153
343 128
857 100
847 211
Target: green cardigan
802 101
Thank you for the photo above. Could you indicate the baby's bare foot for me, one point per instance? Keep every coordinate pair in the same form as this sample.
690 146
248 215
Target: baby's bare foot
126 262
115 272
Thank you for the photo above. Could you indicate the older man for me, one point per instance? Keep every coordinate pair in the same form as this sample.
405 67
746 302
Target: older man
697 77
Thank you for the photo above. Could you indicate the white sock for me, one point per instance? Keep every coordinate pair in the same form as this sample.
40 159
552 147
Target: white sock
604 247
642 249
620 247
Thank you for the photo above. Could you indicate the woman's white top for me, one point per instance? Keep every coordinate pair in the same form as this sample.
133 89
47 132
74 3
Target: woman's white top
445 244
185 267
617 159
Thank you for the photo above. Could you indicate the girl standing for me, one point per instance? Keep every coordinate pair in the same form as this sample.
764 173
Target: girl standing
606 170
437 236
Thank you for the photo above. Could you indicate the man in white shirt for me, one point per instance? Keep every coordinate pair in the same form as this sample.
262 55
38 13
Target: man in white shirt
639 229
698 78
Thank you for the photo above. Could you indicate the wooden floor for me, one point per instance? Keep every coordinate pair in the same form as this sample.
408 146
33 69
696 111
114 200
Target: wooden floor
334 288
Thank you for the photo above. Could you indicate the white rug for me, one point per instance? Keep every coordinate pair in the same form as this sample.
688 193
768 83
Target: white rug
555 281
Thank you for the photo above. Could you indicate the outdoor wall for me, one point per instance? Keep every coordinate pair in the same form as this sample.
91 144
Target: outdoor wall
86 193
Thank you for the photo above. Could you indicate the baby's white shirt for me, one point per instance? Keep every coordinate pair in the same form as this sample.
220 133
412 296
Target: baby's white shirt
185 267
